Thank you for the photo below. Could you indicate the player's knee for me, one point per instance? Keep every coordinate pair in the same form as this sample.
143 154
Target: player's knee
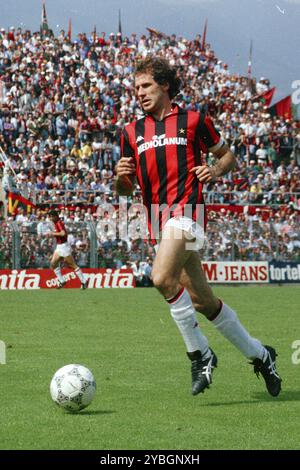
164 283
159 280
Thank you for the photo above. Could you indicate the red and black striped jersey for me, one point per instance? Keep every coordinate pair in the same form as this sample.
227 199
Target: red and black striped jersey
164 152
59 227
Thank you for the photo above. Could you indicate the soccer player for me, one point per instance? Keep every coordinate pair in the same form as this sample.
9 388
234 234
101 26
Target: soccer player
63 252
162 150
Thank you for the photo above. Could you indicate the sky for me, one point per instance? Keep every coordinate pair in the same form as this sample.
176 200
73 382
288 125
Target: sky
273 25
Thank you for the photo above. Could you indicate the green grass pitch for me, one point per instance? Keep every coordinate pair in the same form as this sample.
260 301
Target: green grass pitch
143 399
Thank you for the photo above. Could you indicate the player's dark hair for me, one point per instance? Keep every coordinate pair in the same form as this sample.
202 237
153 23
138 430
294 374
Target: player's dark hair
161 72
54 213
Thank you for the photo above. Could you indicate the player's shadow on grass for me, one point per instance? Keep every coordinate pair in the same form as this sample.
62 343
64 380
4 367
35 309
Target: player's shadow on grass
95 412
285 395
258 397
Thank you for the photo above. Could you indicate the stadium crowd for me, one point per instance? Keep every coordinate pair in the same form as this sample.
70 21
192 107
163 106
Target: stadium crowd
63 105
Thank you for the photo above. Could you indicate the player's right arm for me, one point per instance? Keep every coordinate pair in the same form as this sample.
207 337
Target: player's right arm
125 176
125 168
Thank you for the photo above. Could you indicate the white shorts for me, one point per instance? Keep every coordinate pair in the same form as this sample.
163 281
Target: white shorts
195 231
63 250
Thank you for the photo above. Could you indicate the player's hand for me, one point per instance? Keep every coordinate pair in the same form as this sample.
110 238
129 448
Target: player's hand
205 174
125 170
125 167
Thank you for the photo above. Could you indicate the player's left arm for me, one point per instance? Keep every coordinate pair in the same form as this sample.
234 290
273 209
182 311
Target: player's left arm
226 162
213 142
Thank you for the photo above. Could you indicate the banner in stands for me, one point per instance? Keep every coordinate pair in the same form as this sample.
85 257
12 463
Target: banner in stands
227 272
236 271
285 272
15 201
46 279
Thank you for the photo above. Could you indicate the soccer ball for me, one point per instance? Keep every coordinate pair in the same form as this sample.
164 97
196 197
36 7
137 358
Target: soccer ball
73 387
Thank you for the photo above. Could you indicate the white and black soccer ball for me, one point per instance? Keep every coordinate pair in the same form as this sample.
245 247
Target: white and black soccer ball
73 387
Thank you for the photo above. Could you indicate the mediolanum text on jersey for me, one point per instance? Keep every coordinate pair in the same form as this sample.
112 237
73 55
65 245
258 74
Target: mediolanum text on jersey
161 141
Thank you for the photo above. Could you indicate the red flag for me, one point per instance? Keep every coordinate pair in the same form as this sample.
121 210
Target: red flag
282 108
204 36
268 96
70 30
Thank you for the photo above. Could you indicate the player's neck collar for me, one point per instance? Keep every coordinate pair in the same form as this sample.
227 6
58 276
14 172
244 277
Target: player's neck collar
175 109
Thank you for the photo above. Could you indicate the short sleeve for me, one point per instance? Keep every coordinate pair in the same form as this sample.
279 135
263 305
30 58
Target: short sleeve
210 138
126 150
60 226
